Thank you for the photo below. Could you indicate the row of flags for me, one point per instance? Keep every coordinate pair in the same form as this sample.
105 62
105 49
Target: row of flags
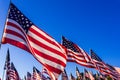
12 73
21 32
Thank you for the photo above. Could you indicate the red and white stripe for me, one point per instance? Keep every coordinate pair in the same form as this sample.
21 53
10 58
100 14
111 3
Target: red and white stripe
104 69
43 47
79 58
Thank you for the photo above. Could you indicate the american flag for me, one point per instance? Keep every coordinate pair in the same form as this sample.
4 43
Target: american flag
64 75
13 74
77 54
21 32
77 72
29 76
72 77
36 75
86 75
7 61
101 66
7 65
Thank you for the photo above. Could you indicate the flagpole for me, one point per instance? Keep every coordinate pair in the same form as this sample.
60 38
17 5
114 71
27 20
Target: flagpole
5 23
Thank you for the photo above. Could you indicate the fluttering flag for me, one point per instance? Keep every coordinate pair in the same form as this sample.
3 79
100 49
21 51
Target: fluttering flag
64 75
29 76
91 76
117 69
86 75
21 32
72 77
102 66
36 75
77 54
7 65
79 76
13 74
7 61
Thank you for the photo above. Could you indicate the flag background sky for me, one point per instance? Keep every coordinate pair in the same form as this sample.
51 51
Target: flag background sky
91 24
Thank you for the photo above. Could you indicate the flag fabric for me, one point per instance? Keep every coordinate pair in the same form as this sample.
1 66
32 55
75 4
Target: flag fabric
86 75
113 71
117 69
21 32
79 76
101 66
64 75
29 76
13 74
72 77
7 61
91 76
77 54
44 70
77 72
7 65
36 75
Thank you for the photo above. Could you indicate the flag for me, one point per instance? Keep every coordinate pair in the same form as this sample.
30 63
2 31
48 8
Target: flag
101 66
79 77
7 61
36 75
117 69
13 74
91 76
29 76
77 54
86 75
113 71
72 77
98 61
64 75
7 65
21 32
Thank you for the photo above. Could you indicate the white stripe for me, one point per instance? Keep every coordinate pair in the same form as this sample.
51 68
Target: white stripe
80 62
43 41
50 63
47 52
47 36
77 57
16 30
43 33
13 37
13 21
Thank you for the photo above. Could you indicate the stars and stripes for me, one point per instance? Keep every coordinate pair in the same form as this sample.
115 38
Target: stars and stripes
77 54
21 32
13 74
36 75
64 75
29 76
101 66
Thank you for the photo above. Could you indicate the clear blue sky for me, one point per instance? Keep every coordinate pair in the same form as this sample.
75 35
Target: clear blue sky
89 23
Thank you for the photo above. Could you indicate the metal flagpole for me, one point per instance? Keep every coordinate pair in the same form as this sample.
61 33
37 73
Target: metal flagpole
5 23
2 36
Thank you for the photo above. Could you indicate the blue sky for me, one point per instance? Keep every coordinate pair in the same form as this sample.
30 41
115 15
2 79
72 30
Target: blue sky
92 24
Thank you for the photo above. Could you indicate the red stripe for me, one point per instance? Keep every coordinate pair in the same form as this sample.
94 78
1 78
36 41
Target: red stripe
14 33
43 37
14 25
52 69
15 43
49 57
76 59
46 47
81 63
